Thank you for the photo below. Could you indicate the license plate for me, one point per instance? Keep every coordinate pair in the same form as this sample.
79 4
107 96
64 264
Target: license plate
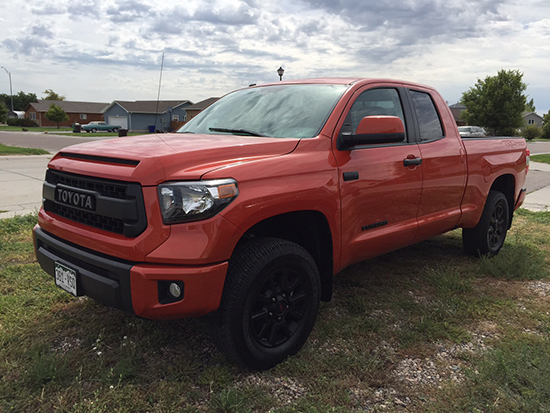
65 278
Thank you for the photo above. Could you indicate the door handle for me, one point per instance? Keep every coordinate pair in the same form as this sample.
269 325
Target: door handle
412 162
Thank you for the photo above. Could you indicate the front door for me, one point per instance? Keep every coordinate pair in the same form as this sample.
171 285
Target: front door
380 195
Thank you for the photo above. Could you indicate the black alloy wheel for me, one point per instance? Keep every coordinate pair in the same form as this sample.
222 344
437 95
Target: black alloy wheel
488 236
269 304
278 307
497 226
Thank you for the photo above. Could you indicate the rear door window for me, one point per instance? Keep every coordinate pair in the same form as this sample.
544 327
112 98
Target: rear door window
428 118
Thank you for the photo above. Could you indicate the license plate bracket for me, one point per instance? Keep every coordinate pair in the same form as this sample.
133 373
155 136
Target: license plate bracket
66 278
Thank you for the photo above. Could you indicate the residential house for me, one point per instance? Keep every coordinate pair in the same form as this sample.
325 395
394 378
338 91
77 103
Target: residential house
146 115
531 118
456 110
79 112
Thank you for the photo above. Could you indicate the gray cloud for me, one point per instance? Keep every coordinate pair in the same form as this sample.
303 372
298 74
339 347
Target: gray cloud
41 31
243 14
84 8
49 8
130 11
27 46
423 18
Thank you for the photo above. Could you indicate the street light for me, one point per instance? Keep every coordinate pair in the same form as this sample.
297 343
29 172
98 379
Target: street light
11 92
280 72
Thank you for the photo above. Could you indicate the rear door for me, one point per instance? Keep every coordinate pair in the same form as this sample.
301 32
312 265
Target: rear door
379 194
443 163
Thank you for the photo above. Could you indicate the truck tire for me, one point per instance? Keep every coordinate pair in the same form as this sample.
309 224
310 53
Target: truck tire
488 236
269 304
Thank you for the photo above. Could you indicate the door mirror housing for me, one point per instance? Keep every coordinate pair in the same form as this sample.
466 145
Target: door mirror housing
373 130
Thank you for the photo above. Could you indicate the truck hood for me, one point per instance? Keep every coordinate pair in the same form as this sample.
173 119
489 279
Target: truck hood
151 159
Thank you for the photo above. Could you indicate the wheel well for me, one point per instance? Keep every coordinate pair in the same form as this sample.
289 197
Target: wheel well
309 229
506 184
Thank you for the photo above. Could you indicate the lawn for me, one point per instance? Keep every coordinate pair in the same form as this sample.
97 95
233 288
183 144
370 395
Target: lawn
15 150
544 158
32 129
423 329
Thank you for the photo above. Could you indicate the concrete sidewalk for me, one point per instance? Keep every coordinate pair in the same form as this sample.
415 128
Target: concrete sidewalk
538 200
21 179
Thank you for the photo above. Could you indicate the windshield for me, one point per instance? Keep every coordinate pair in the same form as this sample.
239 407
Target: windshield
281 111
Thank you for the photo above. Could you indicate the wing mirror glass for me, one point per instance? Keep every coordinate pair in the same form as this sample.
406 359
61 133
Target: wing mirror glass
374 130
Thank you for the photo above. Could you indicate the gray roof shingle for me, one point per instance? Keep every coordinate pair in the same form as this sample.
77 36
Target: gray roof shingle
70 107
149 106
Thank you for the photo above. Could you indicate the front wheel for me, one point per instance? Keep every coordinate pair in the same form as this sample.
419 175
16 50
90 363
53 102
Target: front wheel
269 304
488 236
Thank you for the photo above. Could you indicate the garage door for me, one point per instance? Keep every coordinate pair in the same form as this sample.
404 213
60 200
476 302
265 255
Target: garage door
119 120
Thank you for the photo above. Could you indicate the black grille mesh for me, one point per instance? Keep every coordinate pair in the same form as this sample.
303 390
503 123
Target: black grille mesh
112 190
88 218
115 190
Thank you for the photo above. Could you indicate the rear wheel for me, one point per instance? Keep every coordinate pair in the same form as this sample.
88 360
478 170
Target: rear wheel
115 130
269 305
488 236
94 130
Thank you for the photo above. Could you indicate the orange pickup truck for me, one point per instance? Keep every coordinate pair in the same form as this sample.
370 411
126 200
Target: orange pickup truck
252 206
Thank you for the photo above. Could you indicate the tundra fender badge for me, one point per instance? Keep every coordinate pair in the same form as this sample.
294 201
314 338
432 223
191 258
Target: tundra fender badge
375 225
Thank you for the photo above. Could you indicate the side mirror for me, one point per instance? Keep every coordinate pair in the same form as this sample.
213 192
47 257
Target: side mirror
374 130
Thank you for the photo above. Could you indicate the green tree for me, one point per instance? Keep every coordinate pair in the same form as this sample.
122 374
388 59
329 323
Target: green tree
3 113
56 114
546 126
497 103
20 101
531 132
530 106
51 95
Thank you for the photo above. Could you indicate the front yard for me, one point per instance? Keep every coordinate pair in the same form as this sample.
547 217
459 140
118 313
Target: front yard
423 329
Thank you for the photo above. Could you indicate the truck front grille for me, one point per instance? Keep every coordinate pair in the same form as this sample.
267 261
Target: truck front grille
113 206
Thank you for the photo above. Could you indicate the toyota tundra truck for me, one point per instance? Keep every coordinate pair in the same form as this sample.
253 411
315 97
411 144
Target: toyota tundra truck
249 210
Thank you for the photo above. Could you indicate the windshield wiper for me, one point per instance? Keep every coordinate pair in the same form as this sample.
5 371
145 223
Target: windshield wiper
236 131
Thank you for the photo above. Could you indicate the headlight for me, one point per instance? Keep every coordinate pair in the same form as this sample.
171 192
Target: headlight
192 201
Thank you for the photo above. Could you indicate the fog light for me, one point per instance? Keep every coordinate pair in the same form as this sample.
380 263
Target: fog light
175 290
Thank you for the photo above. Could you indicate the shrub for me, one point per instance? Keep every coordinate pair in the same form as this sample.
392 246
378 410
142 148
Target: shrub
25 122
545 131
531 132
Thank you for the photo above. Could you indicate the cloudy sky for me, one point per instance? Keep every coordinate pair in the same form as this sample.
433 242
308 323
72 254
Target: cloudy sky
105 50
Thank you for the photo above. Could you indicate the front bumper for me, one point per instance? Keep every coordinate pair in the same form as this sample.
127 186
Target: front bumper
133 287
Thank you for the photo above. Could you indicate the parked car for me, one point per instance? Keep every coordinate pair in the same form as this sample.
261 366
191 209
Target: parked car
259 200
100 126
471 132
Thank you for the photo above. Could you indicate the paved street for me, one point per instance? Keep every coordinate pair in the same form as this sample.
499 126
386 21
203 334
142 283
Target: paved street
21 177
46 141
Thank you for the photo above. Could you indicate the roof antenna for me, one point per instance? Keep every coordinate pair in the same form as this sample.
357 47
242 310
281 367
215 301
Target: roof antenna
158 95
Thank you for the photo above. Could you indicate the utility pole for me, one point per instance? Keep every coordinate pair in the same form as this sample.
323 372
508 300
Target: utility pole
11 91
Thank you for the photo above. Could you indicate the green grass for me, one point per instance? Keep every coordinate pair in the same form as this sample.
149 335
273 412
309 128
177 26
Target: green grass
31 129
60 353
15 150
100 134
544 158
